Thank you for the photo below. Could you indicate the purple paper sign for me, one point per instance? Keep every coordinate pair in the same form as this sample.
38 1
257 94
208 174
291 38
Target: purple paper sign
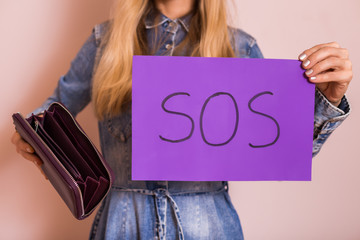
219 119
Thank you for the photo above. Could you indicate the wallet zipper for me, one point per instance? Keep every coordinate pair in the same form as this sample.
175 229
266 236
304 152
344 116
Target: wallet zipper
36 126
96 153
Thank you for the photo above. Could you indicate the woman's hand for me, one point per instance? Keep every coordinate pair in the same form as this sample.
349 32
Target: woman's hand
26 151
328 66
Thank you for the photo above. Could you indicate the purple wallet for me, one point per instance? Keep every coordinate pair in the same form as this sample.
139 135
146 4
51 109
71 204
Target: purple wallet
72 163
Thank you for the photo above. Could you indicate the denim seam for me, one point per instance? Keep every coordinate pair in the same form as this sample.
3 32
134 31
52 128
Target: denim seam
96 220
97 30
152 192
123 220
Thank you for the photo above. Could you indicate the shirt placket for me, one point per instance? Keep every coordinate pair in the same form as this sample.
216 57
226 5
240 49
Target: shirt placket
171 29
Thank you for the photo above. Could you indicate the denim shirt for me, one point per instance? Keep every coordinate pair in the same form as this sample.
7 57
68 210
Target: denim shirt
74 91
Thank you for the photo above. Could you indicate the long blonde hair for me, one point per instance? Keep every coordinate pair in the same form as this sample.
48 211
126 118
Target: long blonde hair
111 92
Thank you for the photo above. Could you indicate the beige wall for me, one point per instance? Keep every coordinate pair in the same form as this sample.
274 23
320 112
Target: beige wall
38 40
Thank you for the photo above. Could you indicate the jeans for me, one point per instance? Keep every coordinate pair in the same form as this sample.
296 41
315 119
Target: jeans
158 214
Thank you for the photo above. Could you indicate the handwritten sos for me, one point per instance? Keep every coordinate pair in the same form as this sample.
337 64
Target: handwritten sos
212 98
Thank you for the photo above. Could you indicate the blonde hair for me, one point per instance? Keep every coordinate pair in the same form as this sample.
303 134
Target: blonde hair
111 92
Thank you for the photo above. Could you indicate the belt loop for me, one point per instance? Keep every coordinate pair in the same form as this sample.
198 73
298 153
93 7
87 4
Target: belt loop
177 215
158 194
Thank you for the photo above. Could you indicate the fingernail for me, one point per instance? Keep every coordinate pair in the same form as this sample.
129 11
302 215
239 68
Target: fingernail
302 56
308 72
313 78
306 63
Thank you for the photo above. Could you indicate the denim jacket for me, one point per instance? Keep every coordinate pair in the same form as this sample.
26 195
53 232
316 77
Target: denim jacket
74 91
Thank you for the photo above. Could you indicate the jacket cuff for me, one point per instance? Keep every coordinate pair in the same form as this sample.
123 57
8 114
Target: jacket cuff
45 105
327 118
326 112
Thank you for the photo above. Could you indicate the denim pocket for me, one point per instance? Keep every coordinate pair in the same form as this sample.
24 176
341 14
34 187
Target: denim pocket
120 126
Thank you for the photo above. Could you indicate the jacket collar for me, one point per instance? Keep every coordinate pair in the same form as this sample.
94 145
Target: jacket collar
150 20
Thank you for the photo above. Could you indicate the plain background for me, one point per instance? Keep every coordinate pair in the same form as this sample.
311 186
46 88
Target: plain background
38 40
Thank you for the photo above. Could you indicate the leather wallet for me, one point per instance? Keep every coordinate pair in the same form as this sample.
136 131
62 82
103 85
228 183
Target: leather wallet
71 162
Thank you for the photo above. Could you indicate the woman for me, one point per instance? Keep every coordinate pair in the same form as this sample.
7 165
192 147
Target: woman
101 72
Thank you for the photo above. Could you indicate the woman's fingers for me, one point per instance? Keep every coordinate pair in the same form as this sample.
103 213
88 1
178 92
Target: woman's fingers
20 144
26 151
31 157
329 64
15 137
341 78
305 55
324 53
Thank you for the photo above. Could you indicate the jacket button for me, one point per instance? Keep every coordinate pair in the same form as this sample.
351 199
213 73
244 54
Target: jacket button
122 137
168 46
171 24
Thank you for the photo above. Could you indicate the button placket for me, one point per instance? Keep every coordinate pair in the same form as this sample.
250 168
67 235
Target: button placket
172 27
